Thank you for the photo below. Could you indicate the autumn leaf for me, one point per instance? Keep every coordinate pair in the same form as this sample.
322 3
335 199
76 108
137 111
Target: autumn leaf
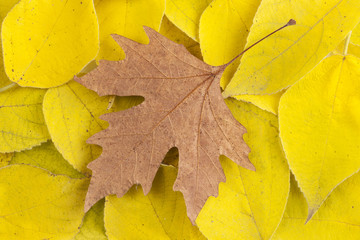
36 204
46 157
338 218
161 213
22 123
43 132
319 126
183 108
46 42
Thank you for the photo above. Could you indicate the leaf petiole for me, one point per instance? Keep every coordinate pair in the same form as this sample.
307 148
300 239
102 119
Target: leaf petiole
289 23
346 45
7 87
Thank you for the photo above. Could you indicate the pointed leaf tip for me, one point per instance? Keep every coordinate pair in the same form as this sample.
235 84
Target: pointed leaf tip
311 213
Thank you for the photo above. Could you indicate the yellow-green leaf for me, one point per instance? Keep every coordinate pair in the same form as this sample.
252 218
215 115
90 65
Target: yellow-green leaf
161 214
338 218
285 57
72 116
36 204
126 18
319 122
46 157
250 204
185 14
5 7
169 30
46 43
22 124
92 227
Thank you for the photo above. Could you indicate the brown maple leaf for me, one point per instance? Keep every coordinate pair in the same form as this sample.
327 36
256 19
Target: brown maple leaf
183 108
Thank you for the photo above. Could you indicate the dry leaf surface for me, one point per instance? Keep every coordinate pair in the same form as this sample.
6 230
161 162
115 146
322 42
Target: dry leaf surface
183 108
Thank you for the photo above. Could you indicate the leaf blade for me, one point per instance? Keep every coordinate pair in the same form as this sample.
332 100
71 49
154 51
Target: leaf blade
22 123
40 37
283 59
327 116
183 107
42 205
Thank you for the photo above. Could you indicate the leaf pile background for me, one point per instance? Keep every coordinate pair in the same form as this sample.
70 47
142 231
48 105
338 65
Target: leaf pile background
297 94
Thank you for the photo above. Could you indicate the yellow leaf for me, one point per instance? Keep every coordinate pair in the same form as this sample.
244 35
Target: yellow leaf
5 7
161 213
72 116
285 57
319 122
355 35
46 43
269 103
22 124
185 14
126 18
169 30
5 158
338 218
250 204
92 227
224 27
36 204
46 157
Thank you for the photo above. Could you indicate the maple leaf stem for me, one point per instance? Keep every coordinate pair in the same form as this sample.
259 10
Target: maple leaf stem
291 22
7 87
